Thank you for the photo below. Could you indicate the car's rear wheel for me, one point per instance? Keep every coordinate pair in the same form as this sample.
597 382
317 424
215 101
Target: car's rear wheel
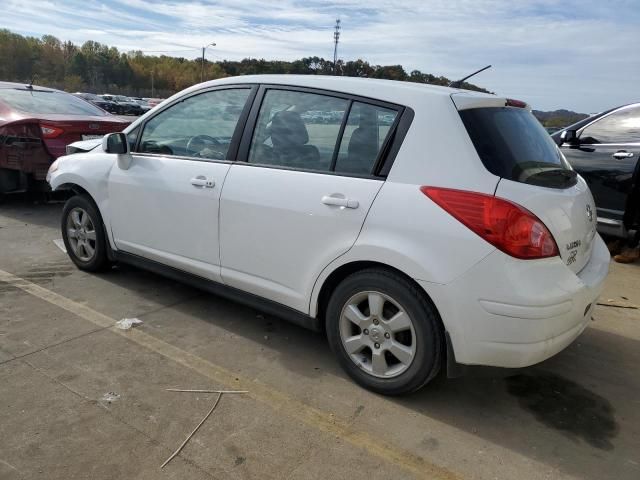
83 234
385 332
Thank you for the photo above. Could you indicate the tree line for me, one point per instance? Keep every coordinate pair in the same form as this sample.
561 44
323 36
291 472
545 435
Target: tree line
97 68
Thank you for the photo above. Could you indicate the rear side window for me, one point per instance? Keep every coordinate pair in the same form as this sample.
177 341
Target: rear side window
512 144
318 132
622 126
366 130
297 130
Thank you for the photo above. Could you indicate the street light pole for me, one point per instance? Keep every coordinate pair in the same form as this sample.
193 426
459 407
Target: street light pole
202 70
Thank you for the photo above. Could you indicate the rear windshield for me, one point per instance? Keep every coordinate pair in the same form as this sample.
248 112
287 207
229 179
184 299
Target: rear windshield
512 144
44 102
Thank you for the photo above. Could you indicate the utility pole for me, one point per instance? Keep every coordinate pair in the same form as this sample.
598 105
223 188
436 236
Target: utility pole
336 39
202 70
152 95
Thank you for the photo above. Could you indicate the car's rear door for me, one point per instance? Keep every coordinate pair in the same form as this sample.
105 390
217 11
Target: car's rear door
606 156
299 199
164 207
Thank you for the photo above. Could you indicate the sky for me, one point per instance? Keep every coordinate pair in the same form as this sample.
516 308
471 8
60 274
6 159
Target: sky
583 55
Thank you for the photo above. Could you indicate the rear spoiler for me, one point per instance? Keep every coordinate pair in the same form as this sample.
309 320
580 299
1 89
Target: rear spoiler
467 100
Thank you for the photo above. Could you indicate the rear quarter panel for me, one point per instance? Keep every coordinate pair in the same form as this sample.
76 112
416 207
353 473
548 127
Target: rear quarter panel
409 232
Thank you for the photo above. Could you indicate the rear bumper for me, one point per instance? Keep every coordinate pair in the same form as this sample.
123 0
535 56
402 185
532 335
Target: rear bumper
511 313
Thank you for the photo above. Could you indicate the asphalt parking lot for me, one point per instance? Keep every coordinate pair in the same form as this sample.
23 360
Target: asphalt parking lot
80 398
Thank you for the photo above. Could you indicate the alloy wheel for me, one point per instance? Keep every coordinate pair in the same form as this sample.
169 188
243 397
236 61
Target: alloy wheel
81 234
377 334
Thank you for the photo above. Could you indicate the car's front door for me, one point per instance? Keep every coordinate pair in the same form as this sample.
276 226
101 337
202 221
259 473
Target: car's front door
165 206
606 156
301 197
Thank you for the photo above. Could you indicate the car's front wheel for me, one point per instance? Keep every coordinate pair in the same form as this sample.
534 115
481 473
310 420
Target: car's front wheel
385 332
83 234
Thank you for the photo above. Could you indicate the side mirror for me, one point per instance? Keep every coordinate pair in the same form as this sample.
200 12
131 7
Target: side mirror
117 143
570 137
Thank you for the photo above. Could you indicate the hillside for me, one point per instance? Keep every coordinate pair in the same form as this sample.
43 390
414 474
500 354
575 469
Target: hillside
558 118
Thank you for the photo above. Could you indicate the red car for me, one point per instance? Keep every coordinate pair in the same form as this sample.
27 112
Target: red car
36 125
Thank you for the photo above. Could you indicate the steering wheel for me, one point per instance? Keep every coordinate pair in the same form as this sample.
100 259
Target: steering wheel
203 139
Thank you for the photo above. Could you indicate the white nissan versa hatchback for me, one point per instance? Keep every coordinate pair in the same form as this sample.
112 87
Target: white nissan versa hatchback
421 227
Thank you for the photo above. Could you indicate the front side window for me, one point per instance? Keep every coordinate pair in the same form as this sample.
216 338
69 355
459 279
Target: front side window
132 138
297 130
622 126
200 126
366 130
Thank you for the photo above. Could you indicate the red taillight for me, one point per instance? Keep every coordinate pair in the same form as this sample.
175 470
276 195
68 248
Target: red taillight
504 224
516 103
49 131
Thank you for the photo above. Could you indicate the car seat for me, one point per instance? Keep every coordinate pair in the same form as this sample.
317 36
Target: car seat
363 147
289 138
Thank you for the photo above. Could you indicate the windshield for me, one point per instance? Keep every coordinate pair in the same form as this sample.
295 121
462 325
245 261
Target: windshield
513 144
45 102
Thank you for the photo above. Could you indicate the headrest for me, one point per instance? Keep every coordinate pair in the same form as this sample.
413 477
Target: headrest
288 130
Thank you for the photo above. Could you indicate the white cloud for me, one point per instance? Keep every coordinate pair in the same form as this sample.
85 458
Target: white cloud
553 53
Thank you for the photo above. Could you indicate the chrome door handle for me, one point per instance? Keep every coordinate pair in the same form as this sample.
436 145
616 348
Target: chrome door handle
622 154
340 201
202 182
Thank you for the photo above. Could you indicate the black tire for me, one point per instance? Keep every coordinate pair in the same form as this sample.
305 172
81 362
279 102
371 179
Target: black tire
99 261
429 335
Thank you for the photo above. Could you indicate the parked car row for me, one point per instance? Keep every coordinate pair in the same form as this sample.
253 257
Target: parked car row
120 104
335 117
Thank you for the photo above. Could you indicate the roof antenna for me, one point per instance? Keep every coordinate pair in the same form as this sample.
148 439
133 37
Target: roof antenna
33 79
458 83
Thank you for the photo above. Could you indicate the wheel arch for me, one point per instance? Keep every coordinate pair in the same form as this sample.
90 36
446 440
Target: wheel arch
341 272
78 189
333 279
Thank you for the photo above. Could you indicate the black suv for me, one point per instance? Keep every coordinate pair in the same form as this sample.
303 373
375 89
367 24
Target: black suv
604 149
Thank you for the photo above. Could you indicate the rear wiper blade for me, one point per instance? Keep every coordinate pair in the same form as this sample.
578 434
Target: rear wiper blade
552 177
557 172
